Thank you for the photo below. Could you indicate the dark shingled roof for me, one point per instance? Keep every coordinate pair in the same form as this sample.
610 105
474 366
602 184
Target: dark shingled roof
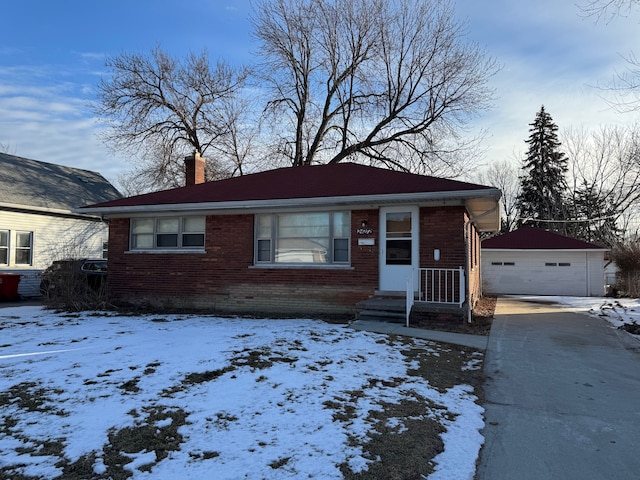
529 238
336 180
30 183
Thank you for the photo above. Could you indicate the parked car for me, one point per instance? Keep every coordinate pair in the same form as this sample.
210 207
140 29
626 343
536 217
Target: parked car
65 276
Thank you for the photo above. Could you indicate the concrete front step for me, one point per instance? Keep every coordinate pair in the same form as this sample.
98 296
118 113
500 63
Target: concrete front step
381 316
381 309
387 304
393 309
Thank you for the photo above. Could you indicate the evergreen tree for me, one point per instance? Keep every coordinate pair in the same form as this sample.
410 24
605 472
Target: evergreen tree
543 186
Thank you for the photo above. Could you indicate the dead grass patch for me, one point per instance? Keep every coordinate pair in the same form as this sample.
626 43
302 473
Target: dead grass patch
31 397
405 439
146 435
482 318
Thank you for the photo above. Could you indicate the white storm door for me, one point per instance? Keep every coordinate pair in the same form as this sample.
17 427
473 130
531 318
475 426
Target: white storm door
399 253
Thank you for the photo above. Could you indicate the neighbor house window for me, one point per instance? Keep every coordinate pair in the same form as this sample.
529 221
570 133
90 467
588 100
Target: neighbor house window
24 247
4 247
312 238
167 233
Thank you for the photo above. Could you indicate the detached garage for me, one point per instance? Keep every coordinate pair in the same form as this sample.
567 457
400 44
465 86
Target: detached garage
531 261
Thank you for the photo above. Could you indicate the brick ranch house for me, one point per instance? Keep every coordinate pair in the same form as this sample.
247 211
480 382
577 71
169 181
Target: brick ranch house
312 240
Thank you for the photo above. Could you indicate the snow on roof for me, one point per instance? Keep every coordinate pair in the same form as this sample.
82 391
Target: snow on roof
529 238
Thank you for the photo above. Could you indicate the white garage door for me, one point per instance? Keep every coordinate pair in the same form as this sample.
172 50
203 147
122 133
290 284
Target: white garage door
535 273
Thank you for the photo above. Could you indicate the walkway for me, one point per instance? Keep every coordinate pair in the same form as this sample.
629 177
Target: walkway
562 397
391 328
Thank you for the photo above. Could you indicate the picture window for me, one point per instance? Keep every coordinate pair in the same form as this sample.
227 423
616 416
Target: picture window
303 238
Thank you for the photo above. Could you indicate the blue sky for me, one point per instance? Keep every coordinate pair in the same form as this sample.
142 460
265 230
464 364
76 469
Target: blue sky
52 56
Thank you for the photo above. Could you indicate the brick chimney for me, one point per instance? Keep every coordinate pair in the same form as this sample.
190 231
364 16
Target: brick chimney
194 169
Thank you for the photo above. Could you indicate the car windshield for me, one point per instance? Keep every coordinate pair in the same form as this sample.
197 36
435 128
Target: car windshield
95 266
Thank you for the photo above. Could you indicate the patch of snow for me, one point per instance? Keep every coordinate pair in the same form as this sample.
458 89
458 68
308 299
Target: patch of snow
264 401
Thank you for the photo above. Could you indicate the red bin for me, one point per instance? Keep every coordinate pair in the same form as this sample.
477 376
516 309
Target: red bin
9 286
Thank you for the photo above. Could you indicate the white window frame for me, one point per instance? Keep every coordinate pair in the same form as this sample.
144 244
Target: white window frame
267 238
6 248
18 248
156 232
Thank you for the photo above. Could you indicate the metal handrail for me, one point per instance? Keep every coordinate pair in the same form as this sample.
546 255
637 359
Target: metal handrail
441 285
409 298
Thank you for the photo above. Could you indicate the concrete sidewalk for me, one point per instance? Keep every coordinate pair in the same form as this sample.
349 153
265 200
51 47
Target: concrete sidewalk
562 393
474 341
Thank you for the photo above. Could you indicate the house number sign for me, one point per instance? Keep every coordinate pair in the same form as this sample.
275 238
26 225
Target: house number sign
364 231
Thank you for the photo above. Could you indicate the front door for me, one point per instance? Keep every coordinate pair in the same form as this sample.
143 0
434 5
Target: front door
398 246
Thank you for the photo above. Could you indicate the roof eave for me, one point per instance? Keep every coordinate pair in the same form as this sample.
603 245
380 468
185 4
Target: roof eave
460 197
76 213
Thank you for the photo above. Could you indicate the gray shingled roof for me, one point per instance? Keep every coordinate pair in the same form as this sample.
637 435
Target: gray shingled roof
26 183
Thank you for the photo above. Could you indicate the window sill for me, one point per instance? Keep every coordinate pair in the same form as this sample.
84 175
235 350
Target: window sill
306 266
165 251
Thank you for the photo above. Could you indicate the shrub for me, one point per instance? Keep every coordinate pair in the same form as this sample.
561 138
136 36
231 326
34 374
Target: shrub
626 255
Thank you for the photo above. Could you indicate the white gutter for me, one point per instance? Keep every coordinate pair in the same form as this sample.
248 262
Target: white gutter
245 205
47 210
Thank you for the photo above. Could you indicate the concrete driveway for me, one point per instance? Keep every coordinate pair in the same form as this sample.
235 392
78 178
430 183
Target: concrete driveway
562 397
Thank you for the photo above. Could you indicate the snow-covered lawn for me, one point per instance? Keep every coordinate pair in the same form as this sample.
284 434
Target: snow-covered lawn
192 397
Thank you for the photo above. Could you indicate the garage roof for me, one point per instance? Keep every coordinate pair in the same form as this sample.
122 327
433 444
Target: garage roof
529 238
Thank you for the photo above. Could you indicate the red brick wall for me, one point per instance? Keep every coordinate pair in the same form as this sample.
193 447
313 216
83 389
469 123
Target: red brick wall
224 278
442 228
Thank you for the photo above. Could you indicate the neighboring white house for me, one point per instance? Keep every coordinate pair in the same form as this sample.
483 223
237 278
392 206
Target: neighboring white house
531 261
37 222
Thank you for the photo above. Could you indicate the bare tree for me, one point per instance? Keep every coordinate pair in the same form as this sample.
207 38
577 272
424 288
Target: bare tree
607 9
626 84
160 109
241 139
372 80
504 175
604 180
6 148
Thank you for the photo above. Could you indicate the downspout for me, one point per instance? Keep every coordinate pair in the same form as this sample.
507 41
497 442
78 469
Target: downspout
467 260
467 268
